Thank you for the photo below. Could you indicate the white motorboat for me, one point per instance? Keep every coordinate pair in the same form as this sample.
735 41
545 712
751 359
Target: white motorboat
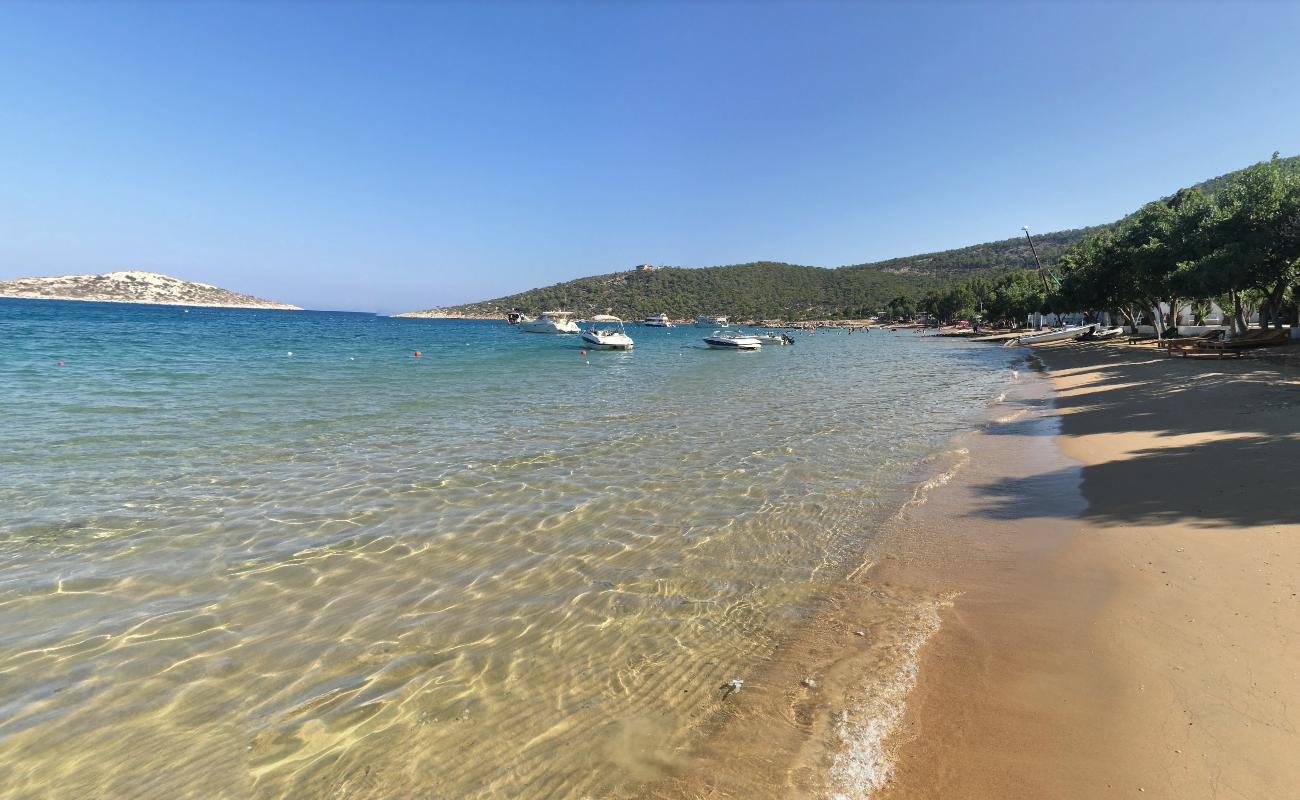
1058 335
550 322
611 337
772 337
710 322
722 340
657 321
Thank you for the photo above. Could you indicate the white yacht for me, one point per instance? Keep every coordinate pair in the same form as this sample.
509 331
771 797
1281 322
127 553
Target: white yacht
550 322
657 321
611 337
723 340
710 322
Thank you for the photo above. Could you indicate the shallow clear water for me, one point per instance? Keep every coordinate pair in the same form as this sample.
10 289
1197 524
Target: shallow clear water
500 569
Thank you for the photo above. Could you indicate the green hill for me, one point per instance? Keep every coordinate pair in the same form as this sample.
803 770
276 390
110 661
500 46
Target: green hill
769 290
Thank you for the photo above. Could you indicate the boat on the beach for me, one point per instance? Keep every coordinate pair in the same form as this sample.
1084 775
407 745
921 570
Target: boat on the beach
612 337
723 340
710 322
774 338
1059 335
657 321
550 322
1104 333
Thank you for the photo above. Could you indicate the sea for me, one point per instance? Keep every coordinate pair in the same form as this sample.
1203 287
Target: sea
275 554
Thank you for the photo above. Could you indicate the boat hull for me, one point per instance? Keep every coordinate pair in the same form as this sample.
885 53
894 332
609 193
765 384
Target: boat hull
1057 336
548 326
741 343
616 342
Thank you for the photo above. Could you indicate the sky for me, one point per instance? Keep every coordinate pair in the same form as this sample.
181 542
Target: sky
390 157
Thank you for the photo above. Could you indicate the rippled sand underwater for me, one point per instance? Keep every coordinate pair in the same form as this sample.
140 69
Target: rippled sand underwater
503 569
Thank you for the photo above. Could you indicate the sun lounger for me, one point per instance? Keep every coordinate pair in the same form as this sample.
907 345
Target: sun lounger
1253 339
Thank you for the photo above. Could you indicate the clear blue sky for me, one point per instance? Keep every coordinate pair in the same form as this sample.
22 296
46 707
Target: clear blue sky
394 157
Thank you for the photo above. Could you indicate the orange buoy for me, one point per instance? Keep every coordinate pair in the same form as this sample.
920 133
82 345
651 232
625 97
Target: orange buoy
582 352
417 353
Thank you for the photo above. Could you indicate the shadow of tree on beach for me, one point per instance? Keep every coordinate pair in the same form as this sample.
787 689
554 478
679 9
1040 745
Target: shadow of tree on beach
1248 473
1201 484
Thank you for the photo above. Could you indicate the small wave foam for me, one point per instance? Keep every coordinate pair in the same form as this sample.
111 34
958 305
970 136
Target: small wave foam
865 761
922 491
1012 417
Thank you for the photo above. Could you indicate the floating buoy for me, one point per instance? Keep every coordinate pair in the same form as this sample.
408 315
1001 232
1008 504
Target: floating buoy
289 353
417 353
582 352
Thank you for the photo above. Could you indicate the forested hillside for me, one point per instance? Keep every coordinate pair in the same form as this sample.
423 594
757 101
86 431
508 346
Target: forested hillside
768 290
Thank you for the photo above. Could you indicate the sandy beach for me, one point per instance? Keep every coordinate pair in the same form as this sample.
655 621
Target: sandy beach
1146 644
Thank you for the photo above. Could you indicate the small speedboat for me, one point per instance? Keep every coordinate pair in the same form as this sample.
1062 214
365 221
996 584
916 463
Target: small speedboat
778 339
1105 333
710 322
550 322
611 337
657 321
722 340
1059 335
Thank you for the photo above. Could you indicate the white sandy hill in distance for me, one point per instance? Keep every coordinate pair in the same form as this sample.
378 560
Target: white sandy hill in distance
133 286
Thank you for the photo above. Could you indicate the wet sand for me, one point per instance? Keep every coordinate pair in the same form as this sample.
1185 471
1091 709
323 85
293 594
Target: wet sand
1149 644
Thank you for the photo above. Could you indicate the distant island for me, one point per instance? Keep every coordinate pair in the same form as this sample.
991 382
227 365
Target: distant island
773 290
134 286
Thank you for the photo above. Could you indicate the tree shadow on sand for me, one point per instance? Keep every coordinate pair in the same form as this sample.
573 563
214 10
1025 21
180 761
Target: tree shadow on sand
1247 474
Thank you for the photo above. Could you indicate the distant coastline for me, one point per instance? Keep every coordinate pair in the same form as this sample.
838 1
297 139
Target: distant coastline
442 313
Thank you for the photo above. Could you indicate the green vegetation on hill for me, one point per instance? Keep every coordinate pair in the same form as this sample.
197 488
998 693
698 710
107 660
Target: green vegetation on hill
1233 242
768 290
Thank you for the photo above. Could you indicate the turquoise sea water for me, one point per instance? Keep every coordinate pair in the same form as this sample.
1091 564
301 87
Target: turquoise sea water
502 568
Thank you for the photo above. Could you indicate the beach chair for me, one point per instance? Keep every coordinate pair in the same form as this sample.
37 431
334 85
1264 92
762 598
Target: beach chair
1251 340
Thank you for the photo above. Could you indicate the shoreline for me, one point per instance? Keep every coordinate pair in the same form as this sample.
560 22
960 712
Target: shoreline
1103 594
822 717
1147 644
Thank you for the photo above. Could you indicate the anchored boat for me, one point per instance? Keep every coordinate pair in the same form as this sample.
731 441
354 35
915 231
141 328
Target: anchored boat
722 340
550 322
611 337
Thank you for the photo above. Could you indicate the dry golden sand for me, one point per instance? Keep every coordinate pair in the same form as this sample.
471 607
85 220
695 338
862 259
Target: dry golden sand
1148 645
